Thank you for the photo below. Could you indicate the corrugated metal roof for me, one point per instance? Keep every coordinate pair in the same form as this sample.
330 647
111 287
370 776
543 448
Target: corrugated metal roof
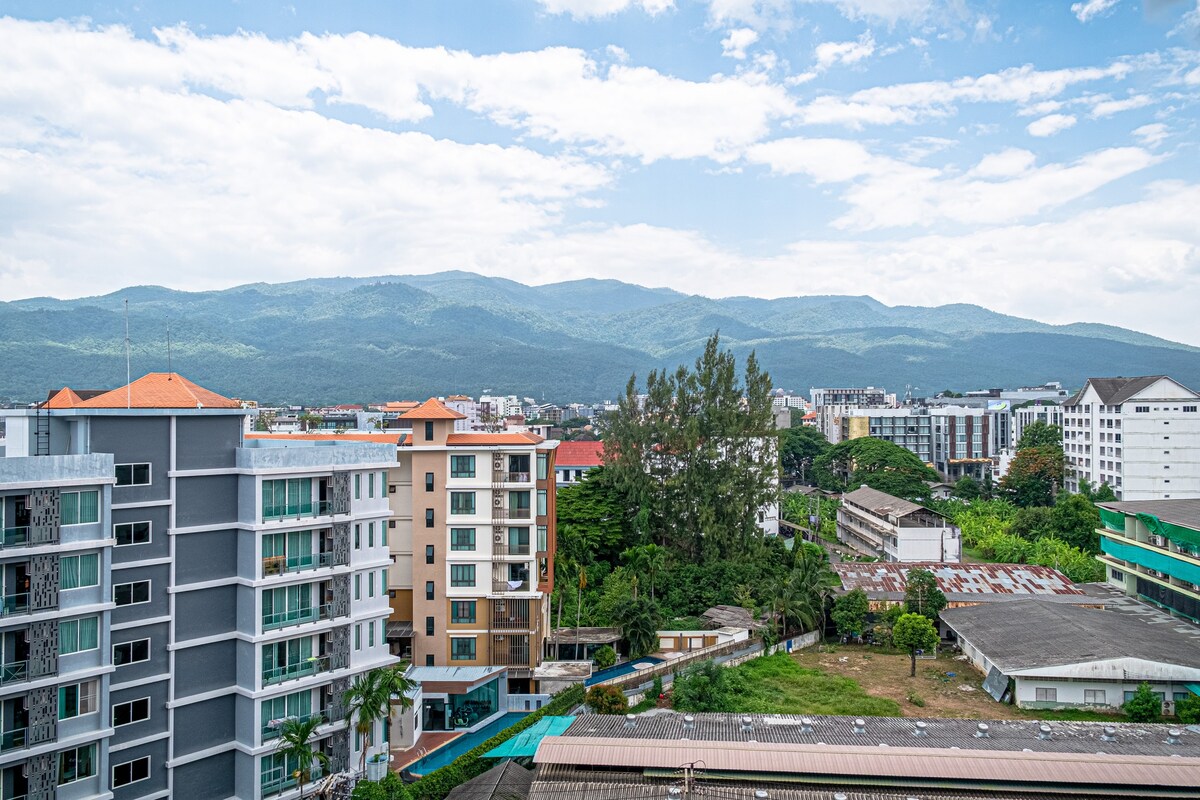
978 582
881 502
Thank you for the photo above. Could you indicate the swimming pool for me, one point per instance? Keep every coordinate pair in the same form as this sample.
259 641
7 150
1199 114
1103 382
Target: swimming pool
619 670
455 748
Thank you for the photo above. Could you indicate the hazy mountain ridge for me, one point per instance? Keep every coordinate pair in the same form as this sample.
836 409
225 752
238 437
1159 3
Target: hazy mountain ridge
361 339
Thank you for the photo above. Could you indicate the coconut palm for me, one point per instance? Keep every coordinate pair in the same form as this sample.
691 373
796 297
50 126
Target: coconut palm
655 560
295 747
639 625
369 699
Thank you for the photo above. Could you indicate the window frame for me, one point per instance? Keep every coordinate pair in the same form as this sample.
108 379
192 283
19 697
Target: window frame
458 510
93 759
474 650
457 471
145 701
455 545
80 696
130 764
132 526
132 589
64 520
461 582
460 619
132 467
76 559
131 644
78 639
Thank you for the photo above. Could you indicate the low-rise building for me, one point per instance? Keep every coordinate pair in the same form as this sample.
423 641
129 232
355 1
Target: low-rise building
573 460
1151 550
893 529
963 584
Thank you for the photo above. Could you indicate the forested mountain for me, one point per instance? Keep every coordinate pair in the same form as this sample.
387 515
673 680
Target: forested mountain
370 339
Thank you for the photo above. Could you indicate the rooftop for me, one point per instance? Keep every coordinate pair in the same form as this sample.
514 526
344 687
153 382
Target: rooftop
493 439
584 635
329 436
1175 512
1033 634
452 674
505 781
732 617
155 390
579 454
432 409
879 502
963 582
1115 391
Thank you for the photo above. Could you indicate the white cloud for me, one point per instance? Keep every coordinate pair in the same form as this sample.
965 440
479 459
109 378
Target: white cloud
590 9
735 43
1050 125
1090 9
983 29
1152 135
829 53
1106 107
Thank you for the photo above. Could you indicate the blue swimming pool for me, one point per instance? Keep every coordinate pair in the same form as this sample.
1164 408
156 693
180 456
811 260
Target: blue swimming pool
619 670
444 755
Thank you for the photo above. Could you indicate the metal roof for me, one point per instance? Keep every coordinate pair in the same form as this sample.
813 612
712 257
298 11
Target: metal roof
971 582
505 781
1032 633
882 503
1175 512
1115 391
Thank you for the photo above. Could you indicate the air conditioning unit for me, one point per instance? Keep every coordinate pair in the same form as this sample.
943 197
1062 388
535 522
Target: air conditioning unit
1168 709
329 690
497 502
497 529
498 538
498 464
1159 541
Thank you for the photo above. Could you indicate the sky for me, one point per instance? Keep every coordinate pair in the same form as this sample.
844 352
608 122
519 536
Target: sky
1036 158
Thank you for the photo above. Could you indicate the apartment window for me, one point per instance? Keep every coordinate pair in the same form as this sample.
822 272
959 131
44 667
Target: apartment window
370 534
370 485
1141 409
543 461
370 584
383 582
1190 409
370 634
358 536
133 474
462 575
428 554
76 764
462 466
358 637
127 533
541 501
462 539
429 626
75 572
428 431
429 481
429 590
78 699
131 594
1094 697
131 712
462 648
1046 695
287 497
429 518
391 488
462 502
131 652
541 539
382 483
462 612
358 587
357 486
79 508
77 635
128 772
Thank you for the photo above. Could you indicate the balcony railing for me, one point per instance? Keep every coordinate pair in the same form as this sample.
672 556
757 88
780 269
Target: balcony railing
515 477
12 740
14 672
296 616
311 508
505 549
15 537
510 586
514 513
272 728
282 565
300 669
15 604
278 780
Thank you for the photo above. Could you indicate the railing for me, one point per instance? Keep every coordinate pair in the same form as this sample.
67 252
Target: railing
506 586
300 669
514 477
15 604
502 549
311 508
11 740
281 565
296 616
516 513
14 672
273 727
14 537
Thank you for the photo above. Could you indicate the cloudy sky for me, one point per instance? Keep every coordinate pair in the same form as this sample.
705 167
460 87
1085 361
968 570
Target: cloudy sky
1038 157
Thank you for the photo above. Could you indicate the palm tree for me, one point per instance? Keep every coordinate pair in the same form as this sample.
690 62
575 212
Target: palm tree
295 746
639 626
579 607
369 699
812 583
655 559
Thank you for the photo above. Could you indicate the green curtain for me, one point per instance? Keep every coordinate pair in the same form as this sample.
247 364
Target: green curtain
1113 520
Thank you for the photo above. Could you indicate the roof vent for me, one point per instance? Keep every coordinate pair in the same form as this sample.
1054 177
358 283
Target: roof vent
884 744
689 722
1043 731
761 794
920 729
806 725
747 724
839 796
1109 735
860 725
674 793
630 721
1173 735
981 730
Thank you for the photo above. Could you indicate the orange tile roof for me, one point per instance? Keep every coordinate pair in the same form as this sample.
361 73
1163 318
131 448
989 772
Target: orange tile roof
492 439
432 409
579 454
160 390
402 405
65 398
367 436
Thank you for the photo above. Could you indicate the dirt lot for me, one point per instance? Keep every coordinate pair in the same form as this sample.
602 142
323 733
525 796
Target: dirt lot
885 674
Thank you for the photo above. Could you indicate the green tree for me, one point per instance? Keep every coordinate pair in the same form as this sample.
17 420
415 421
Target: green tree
593 511
605 656
370 699
1188 710
850 613
309 421
1075 520
1039 434
1144 706
922 594
640 620
704 687
1033 476
876 463
885 623
295 746
799 447
967 488
914 632
1104 494
265 421
607 700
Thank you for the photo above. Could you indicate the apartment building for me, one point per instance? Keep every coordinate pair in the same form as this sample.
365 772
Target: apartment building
1046 412
907 427
1151 550
964 440
473 543
893 529
1141 436
238 582
832 405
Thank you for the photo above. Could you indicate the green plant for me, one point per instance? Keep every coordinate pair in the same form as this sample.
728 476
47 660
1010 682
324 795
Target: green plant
368 790
1188 709
295 746
369 699
394 786
607 700
850 613
914 632
922 595
605 657
916 699
1144 706
656 688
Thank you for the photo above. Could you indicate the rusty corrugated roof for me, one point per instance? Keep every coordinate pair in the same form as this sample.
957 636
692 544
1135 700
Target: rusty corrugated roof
976 581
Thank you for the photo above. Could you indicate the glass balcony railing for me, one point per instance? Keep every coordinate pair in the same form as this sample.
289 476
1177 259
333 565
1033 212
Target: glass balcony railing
510 586
12 740
15 537
272 728
511 549
295 616
15 604
282 565
310 508
14 672
278 780
516 477
300 669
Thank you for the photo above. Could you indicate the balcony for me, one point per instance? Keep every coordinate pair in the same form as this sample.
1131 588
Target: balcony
291 672
15 537
13 740
508 549
283 565
14 672
272 728
15 604
297 616
511 477
513 513
500 587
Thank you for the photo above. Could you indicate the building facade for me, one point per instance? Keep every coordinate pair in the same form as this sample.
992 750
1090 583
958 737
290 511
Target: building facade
1151 550
1141 436
1045 412
893 529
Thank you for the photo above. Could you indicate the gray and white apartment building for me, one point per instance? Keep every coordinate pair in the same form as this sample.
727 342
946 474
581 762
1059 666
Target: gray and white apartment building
235 583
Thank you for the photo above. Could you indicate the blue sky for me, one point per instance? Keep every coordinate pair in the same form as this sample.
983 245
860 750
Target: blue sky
1037 158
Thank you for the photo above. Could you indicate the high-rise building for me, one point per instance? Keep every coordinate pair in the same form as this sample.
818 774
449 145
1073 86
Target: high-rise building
1141 436
209 586
1047 412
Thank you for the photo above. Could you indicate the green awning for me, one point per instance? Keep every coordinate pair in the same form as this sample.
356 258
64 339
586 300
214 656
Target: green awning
1113 520
525 743
1185 538
1194 688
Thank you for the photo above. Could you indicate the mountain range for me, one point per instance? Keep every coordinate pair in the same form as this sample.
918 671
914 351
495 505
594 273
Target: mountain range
350 340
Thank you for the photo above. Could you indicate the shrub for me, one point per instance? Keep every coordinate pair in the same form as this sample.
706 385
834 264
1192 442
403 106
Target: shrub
1187 709
1144 706
394 786
656 689
916 699
607 700
605 657
368 790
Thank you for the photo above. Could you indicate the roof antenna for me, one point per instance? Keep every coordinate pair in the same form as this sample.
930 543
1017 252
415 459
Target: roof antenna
128 377
168 351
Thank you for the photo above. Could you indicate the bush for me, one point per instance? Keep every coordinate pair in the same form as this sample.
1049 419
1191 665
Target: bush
916 699
1144 706
394 786
605 657
656 689
368 790
1187 709
607 700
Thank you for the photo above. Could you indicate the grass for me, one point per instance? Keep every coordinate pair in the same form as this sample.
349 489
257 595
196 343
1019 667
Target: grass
645 705
778 685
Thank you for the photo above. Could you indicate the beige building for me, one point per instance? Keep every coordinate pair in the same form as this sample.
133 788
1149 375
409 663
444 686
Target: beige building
472 538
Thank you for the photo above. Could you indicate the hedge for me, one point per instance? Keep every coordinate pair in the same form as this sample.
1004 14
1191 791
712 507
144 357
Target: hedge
471 764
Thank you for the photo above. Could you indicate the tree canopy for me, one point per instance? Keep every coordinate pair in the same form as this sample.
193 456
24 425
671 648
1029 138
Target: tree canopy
914 632
850 613
1033 476
922 594
1039 434
876 463
799 447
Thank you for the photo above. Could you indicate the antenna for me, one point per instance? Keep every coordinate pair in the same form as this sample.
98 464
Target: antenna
168 351
128 377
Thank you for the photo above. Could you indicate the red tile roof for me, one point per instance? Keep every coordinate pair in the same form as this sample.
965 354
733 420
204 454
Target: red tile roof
579 454
492 439
432 409
160 390
65 398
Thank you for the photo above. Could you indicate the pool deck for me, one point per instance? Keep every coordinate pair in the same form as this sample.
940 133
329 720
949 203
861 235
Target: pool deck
429 741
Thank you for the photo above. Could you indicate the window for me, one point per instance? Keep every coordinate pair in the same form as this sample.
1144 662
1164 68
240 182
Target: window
462 466
428 554
357 486
77 635
131 712
78 699
428 431
429 518
128 772
371 485
542 543
391 488
543 461
429 481
1190 409
462 502
462 539
429 590
133 474
429 627
358 587
462 612
370 534
1094 697
383 581
358 637
76 764
80 508
541 501
370 584
287 497
358 536
429 659
131 652
128 533
1141 409
76 572
131 594
1047 695
462 649
462 574
370 634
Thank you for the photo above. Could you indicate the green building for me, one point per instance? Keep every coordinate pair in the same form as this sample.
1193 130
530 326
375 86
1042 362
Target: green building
1151 550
